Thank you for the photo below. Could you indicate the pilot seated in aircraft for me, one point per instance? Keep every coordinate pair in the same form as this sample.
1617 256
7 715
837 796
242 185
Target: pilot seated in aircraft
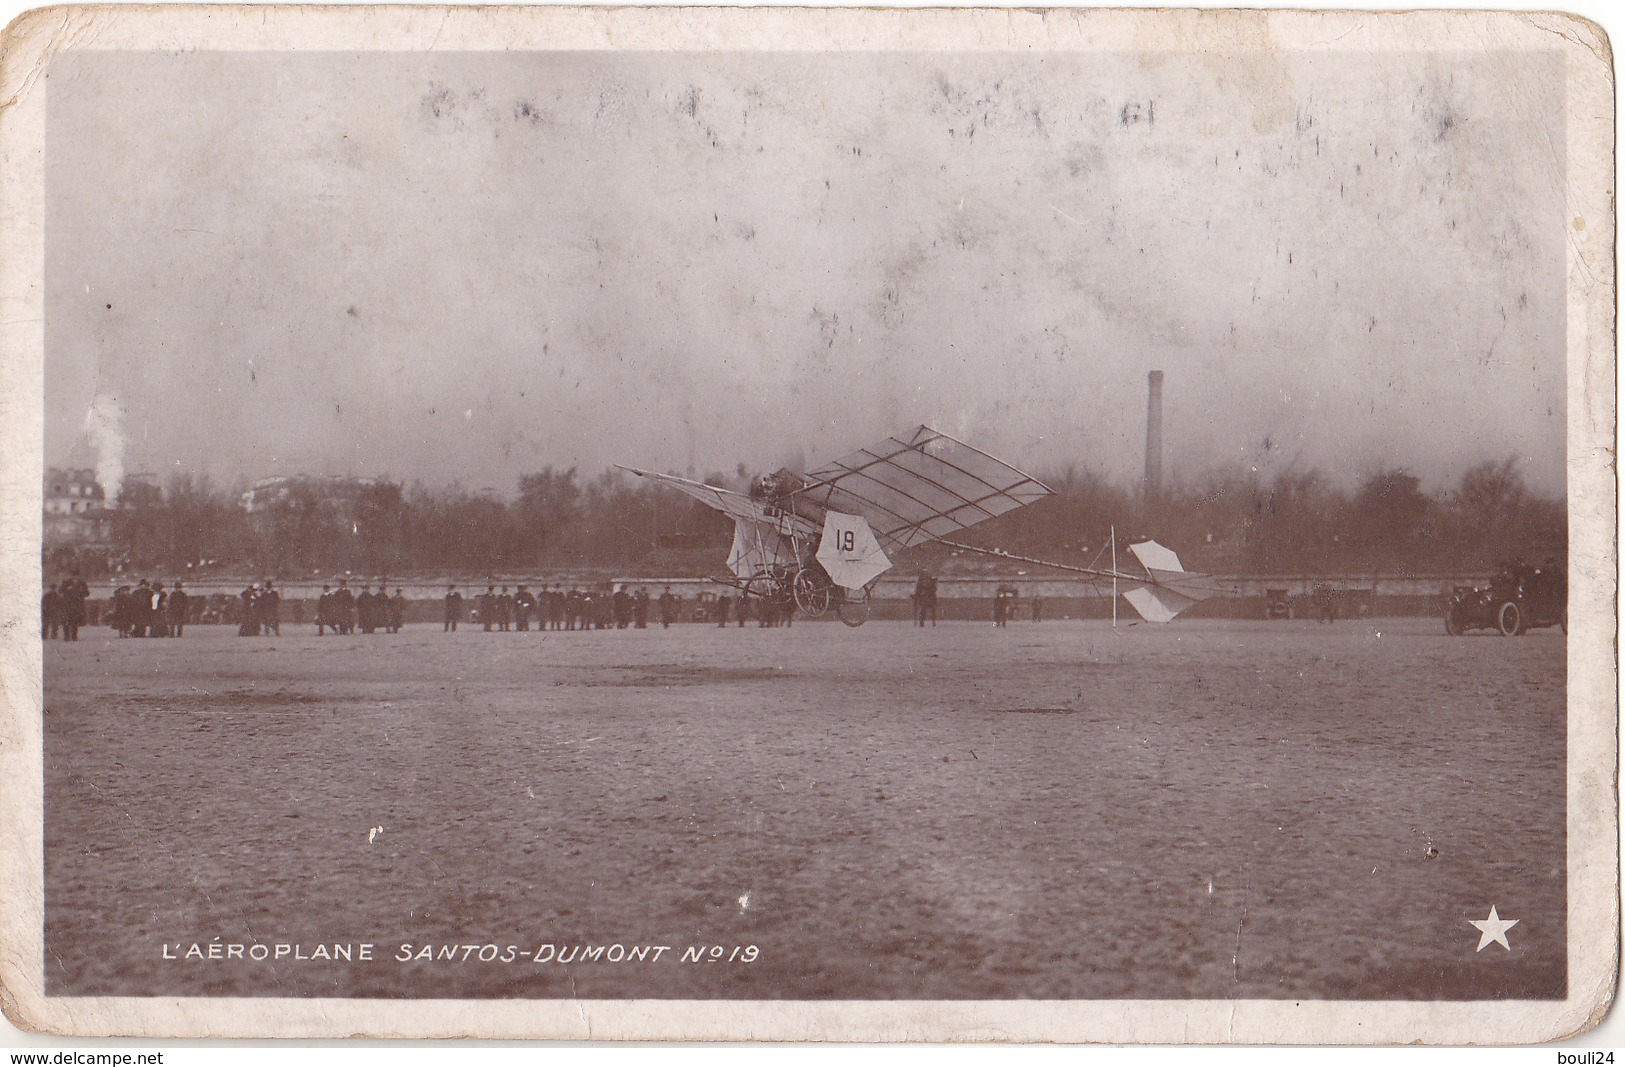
775 489
777 493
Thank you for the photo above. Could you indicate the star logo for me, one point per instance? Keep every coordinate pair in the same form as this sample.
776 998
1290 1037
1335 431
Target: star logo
1493 929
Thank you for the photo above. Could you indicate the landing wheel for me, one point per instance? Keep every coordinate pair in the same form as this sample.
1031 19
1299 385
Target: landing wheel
1509 620
854 607
812 598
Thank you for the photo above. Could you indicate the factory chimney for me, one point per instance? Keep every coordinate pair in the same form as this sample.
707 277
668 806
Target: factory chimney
1153 438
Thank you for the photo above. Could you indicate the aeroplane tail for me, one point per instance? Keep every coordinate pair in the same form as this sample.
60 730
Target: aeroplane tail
1165 590
1168 587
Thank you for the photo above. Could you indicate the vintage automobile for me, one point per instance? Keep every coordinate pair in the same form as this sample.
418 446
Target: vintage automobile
1516 600
705 608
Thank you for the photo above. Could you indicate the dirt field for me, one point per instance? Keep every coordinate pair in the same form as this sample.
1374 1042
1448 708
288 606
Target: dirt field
1055 810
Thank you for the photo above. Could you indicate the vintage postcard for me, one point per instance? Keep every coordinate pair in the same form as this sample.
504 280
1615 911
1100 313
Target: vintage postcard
808 524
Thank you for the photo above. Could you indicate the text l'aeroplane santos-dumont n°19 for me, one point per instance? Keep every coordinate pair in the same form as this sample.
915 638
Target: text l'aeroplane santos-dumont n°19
821 539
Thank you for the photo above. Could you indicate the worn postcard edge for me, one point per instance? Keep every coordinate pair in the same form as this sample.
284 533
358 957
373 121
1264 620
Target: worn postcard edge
1593 871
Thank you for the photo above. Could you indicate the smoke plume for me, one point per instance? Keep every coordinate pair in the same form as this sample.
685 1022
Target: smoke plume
104 427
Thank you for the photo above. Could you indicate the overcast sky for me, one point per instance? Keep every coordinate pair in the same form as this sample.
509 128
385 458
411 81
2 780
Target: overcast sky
469 266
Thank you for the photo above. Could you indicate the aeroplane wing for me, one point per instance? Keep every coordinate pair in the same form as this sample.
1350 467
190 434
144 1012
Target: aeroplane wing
920 486
736 506
761 536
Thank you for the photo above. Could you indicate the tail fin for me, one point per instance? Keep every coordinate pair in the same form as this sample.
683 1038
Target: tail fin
1169 588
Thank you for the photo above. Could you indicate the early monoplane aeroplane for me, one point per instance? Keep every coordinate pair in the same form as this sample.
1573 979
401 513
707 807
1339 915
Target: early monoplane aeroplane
821 539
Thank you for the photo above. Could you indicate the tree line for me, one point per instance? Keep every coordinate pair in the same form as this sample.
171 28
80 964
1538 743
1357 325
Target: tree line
1302 522
1235 522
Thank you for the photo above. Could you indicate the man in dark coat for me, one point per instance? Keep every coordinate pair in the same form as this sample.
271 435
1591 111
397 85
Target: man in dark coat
504 610
180 606
640 609
271 609
324 612
50 612
487 606
344 607
140 608
119 617
74 593
454 609
1004 604
366 610
668 609
397 611
622 608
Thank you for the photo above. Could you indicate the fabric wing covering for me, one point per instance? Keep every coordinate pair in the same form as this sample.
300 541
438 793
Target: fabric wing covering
736 506
1157 603
848 551
760 542
759 547
921 486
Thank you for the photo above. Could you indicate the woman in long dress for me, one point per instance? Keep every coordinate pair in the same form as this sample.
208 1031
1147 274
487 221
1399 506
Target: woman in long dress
251 614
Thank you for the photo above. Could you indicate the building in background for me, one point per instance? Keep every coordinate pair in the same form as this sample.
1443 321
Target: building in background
77 513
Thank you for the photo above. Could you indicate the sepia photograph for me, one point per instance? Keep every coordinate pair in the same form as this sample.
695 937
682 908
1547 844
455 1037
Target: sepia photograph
1172 451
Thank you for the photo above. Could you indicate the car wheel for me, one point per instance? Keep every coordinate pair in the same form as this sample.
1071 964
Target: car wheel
1452 623
1509 620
